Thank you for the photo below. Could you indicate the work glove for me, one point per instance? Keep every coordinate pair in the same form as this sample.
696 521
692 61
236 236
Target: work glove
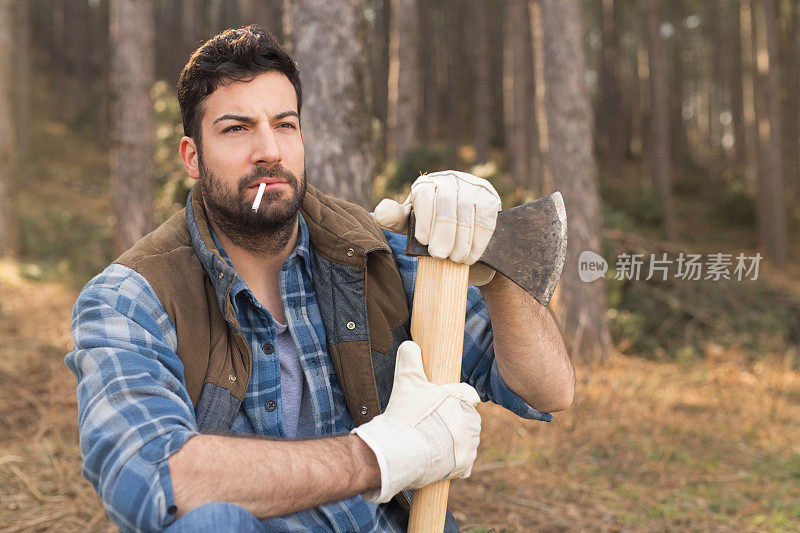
428 432
455 214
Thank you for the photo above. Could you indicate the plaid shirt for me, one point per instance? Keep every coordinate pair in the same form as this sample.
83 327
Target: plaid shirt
134 410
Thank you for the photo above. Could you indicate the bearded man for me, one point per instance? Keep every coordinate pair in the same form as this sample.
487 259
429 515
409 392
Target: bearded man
246 369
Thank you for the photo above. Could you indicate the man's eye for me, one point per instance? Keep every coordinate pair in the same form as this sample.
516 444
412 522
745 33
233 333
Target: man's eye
287 125
231 128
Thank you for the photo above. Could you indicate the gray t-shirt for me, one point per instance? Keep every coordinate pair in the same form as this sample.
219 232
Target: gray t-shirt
298 413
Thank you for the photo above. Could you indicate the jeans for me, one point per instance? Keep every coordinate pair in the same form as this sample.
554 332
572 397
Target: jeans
225 516
215 517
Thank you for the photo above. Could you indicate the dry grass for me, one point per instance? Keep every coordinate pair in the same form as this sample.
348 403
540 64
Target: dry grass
649 446
40 484
712 445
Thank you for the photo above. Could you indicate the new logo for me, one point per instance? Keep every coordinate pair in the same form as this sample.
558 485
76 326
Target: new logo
591 266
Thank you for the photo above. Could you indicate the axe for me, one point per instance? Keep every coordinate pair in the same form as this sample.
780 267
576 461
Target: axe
528 247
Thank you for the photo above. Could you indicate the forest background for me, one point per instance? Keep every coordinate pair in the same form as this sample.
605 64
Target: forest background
672 128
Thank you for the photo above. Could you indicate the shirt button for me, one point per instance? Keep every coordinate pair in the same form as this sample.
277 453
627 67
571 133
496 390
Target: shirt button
350 252
172 509
221 275
232 378
271 405
351 325
268 348
364 410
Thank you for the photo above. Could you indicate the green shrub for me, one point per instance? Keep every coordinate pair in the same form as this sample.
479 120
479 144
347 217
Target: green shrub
172 183
420 160
733 206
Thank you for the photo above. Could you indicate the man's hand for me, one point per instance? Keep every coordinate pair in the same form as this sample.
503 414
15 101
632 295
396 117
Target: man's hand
428 433
455 214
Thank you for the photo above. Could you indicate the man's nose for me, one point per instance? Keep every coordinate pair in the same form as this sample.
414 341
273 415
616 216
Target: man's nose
266 149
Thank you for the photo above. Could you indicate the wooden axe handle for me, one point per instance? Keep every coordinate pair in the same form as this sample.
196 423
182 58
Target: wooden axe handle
437 325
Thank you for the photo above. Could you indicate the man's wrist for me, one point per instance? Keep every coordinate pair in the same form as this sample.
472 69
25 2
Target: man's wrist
368 472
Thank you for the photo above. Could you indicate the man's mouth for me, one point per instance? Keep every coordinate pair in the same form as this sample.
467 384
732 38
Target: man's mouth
271 183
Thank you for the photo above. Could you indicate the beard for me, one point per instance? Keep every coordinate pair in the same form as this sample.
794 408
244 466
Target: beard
266 230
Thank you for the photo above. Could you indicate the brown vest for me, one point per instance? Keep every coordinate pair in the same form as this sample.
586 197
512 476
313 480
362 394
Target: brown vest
358 288
357 284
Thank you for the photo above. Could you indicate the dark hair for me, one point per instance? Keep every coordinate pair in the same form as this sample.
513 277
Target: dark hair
233 55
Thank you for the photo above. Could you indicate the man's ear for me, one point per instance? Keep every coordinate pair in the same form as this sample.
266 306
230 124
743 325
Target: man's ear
189 156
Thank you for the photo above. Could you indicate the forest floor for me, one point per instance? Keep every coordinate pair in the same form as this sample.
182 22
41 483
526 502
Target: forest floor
647 446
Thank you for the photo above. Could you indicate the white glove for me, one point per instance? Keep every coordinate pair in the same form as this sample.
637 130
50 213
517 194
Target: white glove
428 432
456 214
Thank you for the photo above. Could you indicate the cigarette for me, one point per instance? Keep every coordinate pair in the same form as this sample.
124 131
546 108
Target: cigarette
259 194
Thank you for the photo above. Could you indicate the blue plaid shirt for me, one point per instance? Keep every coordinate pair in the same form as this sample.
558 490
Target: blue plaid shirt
134 410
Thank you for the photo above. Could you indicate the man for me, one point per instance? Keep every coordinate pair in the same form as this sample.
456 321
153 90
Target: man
287 323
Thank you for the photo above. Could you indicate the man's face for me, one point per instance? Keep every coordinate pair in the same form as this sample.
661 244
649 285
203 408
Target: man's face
250 134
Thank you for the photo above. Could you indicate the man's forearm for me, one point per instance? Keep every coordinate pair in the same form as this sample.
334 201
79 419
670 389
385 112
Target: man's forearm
271 477
529 348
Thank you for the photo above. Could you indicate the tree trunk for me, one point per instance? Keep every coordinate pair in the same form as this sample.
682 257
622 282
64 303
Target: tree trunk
749 93
58 49
8 232
101 24
327 41
164 35
22 76
536 182
83 44
716 97
195 28
760 64
518 81
661 165
792 93
431 74
679 142
545 178
629 92
404 78
132 76
229 14
379 77
620 140
498 135
737 93
483 106
771 213
455 54
265 13
610 113
571 160
42 19
439 64
175 58
641 145
76 68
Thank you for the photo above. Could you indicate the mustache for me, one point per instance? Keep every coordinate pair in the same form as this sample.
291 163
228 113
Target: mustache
276 171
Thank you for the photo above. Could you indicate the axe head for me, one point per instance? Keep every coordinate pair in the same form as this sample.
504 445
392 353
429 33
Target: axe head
528 245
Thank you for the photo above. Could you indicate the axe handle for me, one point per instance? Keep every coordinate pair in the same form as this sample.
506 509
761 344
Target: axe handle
437 325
